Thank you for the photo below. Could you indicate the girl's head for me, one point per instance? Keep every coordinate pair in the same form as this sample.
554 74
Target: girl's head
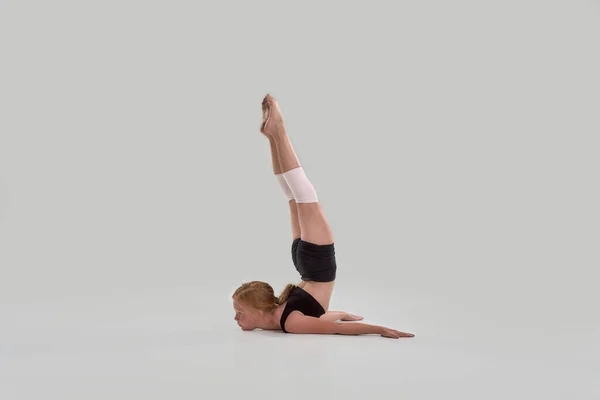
253 301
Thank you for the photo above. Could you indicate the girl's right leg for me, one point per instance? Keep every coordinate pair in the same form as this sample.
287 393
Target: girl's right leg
313 223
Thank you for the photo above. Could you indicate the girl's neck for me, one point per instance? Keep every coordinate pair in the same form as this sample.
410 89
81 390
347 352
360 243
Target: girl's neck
271 321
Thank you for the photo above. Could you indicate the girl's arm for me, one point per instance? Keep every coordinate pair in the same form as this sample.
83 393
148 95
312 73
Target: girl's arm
337 315
300 323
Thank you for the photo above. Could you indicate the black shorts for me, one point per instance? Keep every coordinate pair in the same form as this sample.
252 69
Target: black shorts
314 262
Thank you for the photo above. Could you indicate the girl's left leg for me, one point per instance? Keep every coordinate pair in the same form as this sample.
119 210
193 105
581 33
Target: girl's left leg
295 221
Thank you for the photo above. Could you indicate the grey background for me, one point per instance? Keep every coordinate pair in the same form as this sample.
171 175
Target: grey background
453 145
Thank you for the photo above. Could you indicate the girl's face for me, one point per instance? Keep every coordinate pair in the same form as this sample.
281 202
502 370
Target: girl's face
245 316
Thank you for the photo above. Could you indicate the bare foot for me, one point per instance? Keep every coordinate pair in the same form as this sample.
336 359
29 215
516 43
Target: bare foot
350 317
265 117
272 122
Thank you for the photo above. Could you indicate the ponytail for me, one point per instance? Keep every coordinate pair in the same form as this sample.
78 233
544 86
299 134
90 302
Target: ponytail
285 294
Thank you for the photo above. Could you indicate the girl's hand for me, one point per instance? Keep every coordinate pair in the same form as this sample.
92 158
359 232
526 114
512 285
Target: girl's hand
392 333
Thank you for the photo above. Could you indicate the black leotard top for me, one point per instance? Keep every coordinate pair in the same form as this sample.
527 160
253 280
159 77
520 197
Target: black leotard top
302 301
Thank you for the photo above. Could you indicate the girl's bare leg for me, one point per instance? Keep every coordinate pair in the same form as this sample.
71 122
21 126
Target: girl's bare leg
314 227
296 232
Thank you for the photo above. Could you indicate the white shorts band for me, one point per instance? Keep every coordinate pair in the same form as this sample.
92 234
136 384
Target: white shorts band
284 186
301 187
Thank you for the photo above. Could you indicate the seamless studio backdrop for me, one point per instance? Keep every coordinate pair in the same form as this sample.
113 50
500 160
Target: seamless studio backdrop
453 146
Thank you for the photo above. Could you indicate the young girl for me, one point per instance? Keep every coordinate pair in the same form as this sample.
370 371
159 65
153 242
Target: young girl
302 308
